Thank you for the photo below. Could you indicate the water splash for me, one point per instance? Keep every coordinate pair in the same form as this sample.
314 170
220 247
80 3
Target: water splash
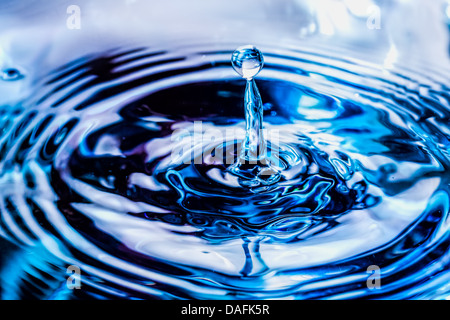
253 164
87 176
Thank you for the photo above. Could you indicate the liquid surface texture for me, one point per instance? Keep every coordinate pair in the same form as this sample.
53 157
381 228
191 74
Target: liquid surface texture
88 177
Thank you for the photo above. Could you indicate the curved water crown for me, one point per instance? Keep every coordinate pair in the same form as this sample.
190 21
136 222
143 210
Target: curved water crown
253 163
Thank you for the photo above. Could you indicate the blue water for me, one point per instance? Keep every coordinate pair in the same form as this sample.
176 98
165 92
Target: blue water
361 178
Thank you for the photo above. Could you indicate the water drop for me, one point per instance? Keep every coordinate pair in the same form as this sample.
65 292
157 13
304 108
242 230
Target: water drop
247 61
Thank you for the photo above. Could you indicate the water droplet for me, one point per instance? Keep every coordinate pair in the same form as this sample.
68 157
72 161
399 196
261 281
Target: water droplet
267 106
247 61
11 74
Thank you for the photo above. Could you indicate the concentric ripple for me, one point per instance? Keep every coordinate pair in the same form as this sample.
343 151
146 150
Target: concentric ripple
88 176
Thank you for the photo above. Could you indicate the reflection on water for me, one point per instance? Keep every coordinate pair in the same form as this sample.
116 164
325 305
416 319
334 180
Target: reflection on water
87 176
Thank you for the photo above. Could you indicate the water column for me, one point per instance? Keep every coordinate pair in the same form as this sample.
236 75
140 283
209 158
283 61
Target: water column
253 163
